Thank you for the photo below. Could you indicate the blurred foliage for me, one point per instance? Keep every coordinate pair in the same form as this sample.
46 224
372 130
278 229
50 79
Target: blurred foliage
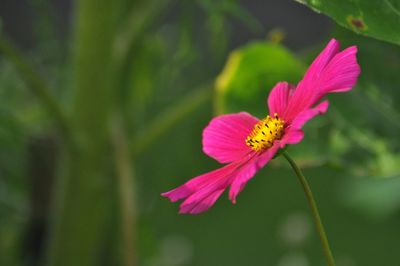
371 122
250 73
177 52
374 197
378 19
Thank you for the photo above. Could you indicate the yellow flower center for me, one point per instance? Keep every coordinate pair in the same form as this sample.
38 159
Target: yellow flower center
265 132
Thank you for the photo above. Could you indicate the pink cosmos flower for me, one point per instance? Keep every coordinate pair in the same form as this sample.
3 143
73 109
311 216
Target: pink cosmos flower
245 143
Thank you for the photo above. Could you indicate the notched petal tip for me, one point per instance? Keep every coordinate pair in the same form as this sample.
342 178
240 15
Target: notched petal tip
341 73
177 193
333 43
322 107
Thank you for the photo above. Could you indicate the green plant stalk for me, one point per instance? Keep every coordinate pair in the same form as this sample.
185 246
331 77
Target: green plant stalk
126 185
85 192
36 83
169 117
142 16
138 21
314 210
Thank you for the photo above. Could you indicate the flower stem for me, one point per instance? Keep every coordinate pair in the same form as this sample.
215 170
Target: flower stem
314 210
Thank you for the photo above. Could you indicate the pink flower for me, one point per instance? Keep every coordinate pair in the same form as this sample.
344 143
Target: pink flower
246 144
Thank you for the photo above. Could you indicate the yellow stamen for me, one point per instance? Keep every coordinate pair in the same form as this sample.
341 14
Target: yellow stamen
265 132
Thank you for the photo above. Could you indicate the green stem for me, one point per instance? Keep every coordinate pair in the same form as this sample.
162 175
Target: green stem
142 16
138 21
84 192
169 118
36 83
314 210
126 182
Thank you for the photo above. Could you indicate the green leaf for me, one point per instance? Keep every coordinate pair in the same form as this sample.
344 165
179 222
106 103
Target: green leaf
250 73
378 19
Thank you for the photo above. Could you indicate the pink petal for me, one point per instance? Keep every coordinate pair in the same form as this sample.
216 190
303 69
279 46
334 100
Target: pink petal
224 139
200 182
331 71
341 73
279 97
292 137
241 179
293 133
193 206
201 192
317 66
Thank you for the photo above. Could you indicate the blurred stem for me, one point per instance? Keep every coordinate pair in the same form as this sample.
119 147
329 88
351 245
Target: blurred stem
139 19
314 210
126 184
85 191
170 117
36 83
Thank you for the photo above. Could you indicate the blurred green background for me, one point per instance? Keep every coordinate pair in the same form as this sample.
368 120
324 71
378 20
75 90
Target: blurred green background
102 107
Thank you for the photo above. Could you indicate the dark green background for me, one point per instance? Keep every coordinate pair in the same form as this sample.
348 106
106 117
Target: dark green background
165 93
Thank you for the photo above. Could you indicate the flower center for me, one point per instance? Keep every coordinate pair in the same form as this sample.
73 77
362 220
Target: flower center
265 132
